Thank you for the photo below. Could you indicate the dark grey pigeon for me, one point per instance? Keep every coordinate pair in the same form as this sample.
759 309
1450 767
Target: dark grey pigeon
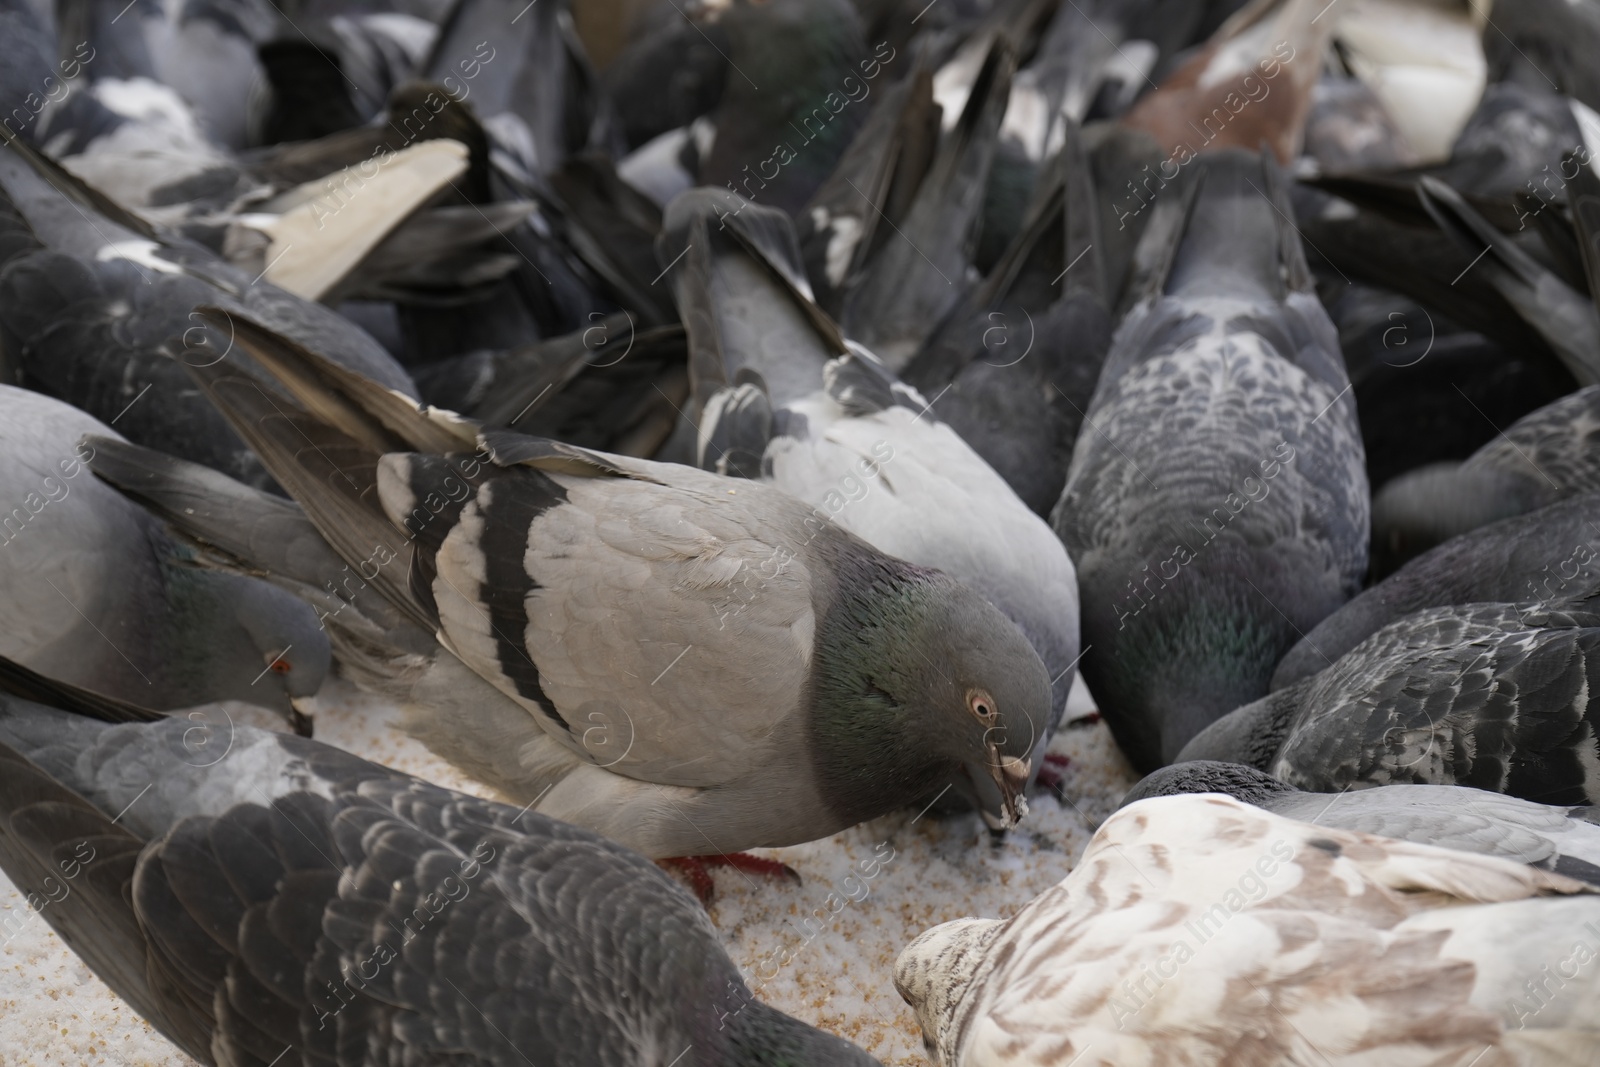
1565 840
920 270
1016 362
1546 456
95 591
1493 696
1216 505
1549 554
95 309
266 899
691 663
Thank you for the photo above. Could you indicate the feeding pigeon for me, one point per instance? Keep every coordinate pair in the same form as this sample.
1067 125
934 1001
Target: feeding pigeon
96 592
1216 505
1203 931
693 664
1561 839
254 895
784 399
1494 696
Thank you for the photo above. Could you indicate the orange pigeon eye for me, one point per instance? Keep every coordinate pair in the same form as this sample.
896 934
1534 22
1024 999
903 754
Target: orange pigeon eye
280 666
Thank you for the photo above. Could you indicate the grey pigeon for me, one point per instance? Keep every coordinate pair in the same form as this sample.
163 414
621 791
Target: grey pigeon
1216 505
266 899
1493 696
1549 554
691 664
919 269
1565 840
95 591
95 309
1565 317
1019 381
782 397
791 101
1544 457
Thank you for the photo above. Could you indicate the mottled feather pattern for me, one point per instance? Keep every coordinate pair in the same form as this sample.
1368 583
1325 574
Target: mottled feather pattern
379 919
1495 696
1300 943
1555 450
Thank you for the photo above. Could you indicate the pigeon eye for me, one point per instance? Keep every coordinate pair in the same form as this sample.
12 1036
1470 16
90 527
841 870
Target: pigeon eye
981 704
280 666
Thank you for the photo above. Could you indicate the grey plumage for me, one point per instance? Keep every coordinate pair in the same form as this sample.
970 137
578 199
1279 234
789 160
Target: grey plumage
91 296
1216 505
1562 839
1548 554
1544 457
684 663
1494 696
264 899
781 395
97 592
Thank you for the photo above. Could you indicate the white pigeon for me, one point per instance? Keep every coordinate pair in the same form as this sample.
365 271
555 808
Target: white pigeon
1198 930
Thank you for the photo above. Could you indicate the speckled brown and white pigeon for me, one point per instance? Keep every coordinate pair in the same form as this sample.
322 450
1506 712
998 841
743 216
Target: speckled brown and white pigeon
266 899
1201 931
1495 696
1216 504
1560 838
683 662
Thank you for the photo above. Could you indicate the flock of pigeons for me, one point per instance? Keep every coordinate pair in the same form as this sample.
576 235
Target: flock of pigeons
754 438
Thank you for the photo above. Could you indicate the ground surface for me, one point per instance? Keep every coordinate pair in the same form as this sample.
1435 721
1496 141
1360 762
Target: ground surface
823 952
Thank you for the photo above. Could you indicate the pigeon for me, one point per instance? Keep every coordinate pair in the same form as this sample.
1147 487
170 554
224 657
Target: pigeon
1549 554
97 592
1018 384
1565 317
1203 931
1252 82
676 650
91 298
1426 390
920 269
1216 504
791 101
1565 840
1544 457
262 898
1423 62
671 71
1493 696
784 399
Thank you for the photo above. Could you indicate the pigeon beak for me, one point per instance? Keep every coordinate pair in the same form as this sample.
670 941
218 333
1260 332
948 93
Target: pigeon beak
998 785
301 715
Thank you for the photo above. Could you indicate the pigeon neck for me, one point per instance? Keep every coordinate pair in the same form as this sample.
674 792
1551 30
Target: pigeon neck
870 687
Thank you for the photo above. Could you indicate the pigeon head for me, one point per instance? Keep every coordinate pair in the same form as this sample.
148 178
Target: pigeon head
1243 783
934 973
926 683
247 640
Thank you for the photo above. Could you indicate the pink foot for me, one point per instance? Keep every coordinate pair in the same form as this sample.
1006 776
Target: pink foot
1051 775
696 870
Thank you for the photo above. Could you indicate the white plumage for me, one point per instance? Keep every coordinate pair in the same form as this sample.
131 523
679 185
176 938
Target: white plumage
1198 930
